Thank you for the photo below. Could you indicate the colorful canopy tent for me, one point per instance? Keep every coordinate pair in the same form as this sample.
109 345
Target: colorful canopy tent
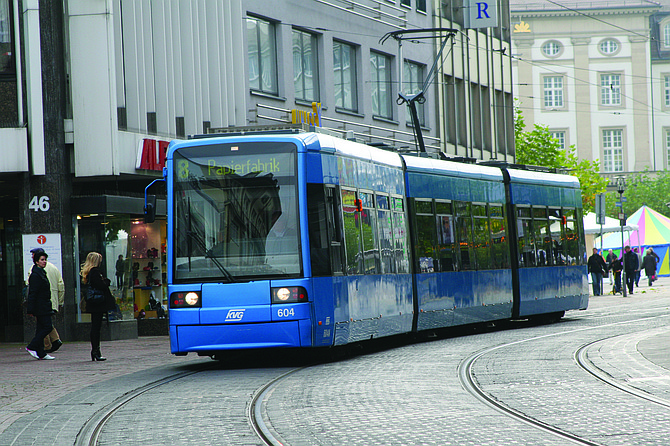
654 231
593 230
610 225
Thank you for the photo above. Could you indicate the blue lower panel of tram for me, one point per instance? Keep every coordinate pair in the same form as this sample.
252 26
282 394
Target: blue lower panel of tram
552 289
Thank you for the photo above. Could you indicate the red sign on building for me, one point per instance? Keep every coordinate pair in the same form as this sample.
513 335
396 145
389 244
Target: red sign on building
151 154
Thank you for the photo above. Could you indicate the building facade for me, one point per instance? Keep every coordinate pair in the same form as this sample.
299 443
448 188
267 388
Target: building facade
92 91
595 73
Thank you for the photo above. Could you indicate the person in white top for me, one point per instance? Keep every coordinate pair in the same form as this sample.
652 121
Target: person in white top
52 341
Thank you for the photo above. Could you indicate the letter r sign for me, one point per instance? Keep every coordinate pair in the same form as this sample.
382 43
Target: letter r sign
481 10
481 13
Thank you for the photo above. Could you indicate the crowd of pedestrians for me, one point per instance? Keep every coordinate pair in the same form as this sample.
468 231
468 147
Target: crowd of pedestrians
630 264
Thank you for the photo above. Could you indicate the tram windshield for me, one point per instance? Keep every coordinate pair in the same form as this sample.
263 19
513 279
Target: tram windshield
235 212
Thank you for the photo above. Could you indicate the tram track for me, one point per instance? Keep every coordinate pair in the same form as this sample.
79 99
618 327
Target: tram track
469 383
581 357
466 376
89 434
255 410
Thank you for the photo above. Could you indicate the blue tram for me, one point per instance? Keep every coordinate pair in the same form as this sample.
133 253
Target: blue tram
307 240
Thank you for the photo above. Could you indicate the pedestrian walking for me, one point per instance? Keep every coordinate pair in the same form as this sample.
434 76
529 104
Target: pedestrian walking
639 267
630 266
616 268
649 264
92 275
597 268
610 258
52 341
38 304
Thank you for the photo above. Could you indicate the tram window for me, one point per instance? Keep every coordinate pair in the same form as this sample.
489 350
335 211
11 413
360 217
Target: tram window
318 230
571 240
446 248
443 208
424 207
496 211
366 199
425 234
478 210
482 242
462 208
499 244
542 236
371 258
579 218
526 243
556 229
400 236
523 212
464 234
397 204
352 233
382 202
385 231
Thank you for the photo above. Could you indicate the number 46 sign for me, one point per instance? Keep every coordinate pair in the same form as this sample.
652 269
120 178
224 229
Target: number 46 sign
39 203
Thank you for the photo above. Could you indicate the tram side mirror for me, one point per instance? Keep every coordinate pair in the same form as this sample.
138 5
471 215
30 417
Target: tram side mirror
149 209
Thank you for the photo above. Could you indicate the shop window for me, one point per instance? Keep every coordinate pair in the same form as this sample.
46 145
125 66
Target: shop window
133 260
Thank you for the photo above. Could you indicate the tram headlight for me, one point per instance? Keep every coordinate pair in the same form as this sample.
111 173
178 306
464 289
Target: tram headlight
188 299
288 294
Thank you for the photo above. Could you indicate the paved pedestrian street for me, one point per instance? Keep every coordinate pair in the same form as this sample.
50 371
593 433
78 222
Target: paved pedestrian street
406 394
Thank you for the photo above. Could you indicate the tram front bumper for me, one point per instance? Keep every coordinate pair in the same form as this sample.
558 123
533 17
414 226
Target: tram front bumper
221 337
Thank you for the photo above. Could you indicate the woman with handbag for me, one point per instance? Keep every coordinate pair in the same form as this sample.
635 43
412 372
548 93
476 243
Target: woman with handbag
99 299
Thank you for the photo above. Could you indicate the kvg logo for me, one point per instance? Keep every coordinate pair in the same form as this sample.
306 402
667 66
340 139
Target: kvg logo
235 315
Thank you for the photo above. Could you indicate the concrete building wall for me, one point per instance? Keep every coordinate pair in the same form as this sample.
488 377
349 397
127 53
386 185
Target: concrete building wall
99 81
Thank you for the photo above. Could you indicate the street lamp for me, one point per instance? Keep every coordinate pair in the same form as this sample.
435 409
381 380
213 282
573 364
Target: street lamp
621 188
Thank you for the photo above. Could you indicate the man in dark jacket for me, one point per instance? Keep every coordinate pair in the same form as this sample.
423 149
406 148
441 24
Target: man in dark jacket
597 268
630 265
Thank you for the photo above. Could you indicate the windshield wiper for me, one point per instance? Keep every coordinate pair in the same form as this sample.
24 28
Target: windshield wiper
208 254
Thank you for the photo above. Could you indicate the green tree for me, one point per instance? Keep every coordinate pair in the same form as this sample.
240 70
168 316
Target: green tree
647 188
539 148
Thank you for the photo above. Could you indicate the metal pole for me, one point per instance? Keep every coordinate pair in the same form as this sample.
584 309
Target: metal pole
623 263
